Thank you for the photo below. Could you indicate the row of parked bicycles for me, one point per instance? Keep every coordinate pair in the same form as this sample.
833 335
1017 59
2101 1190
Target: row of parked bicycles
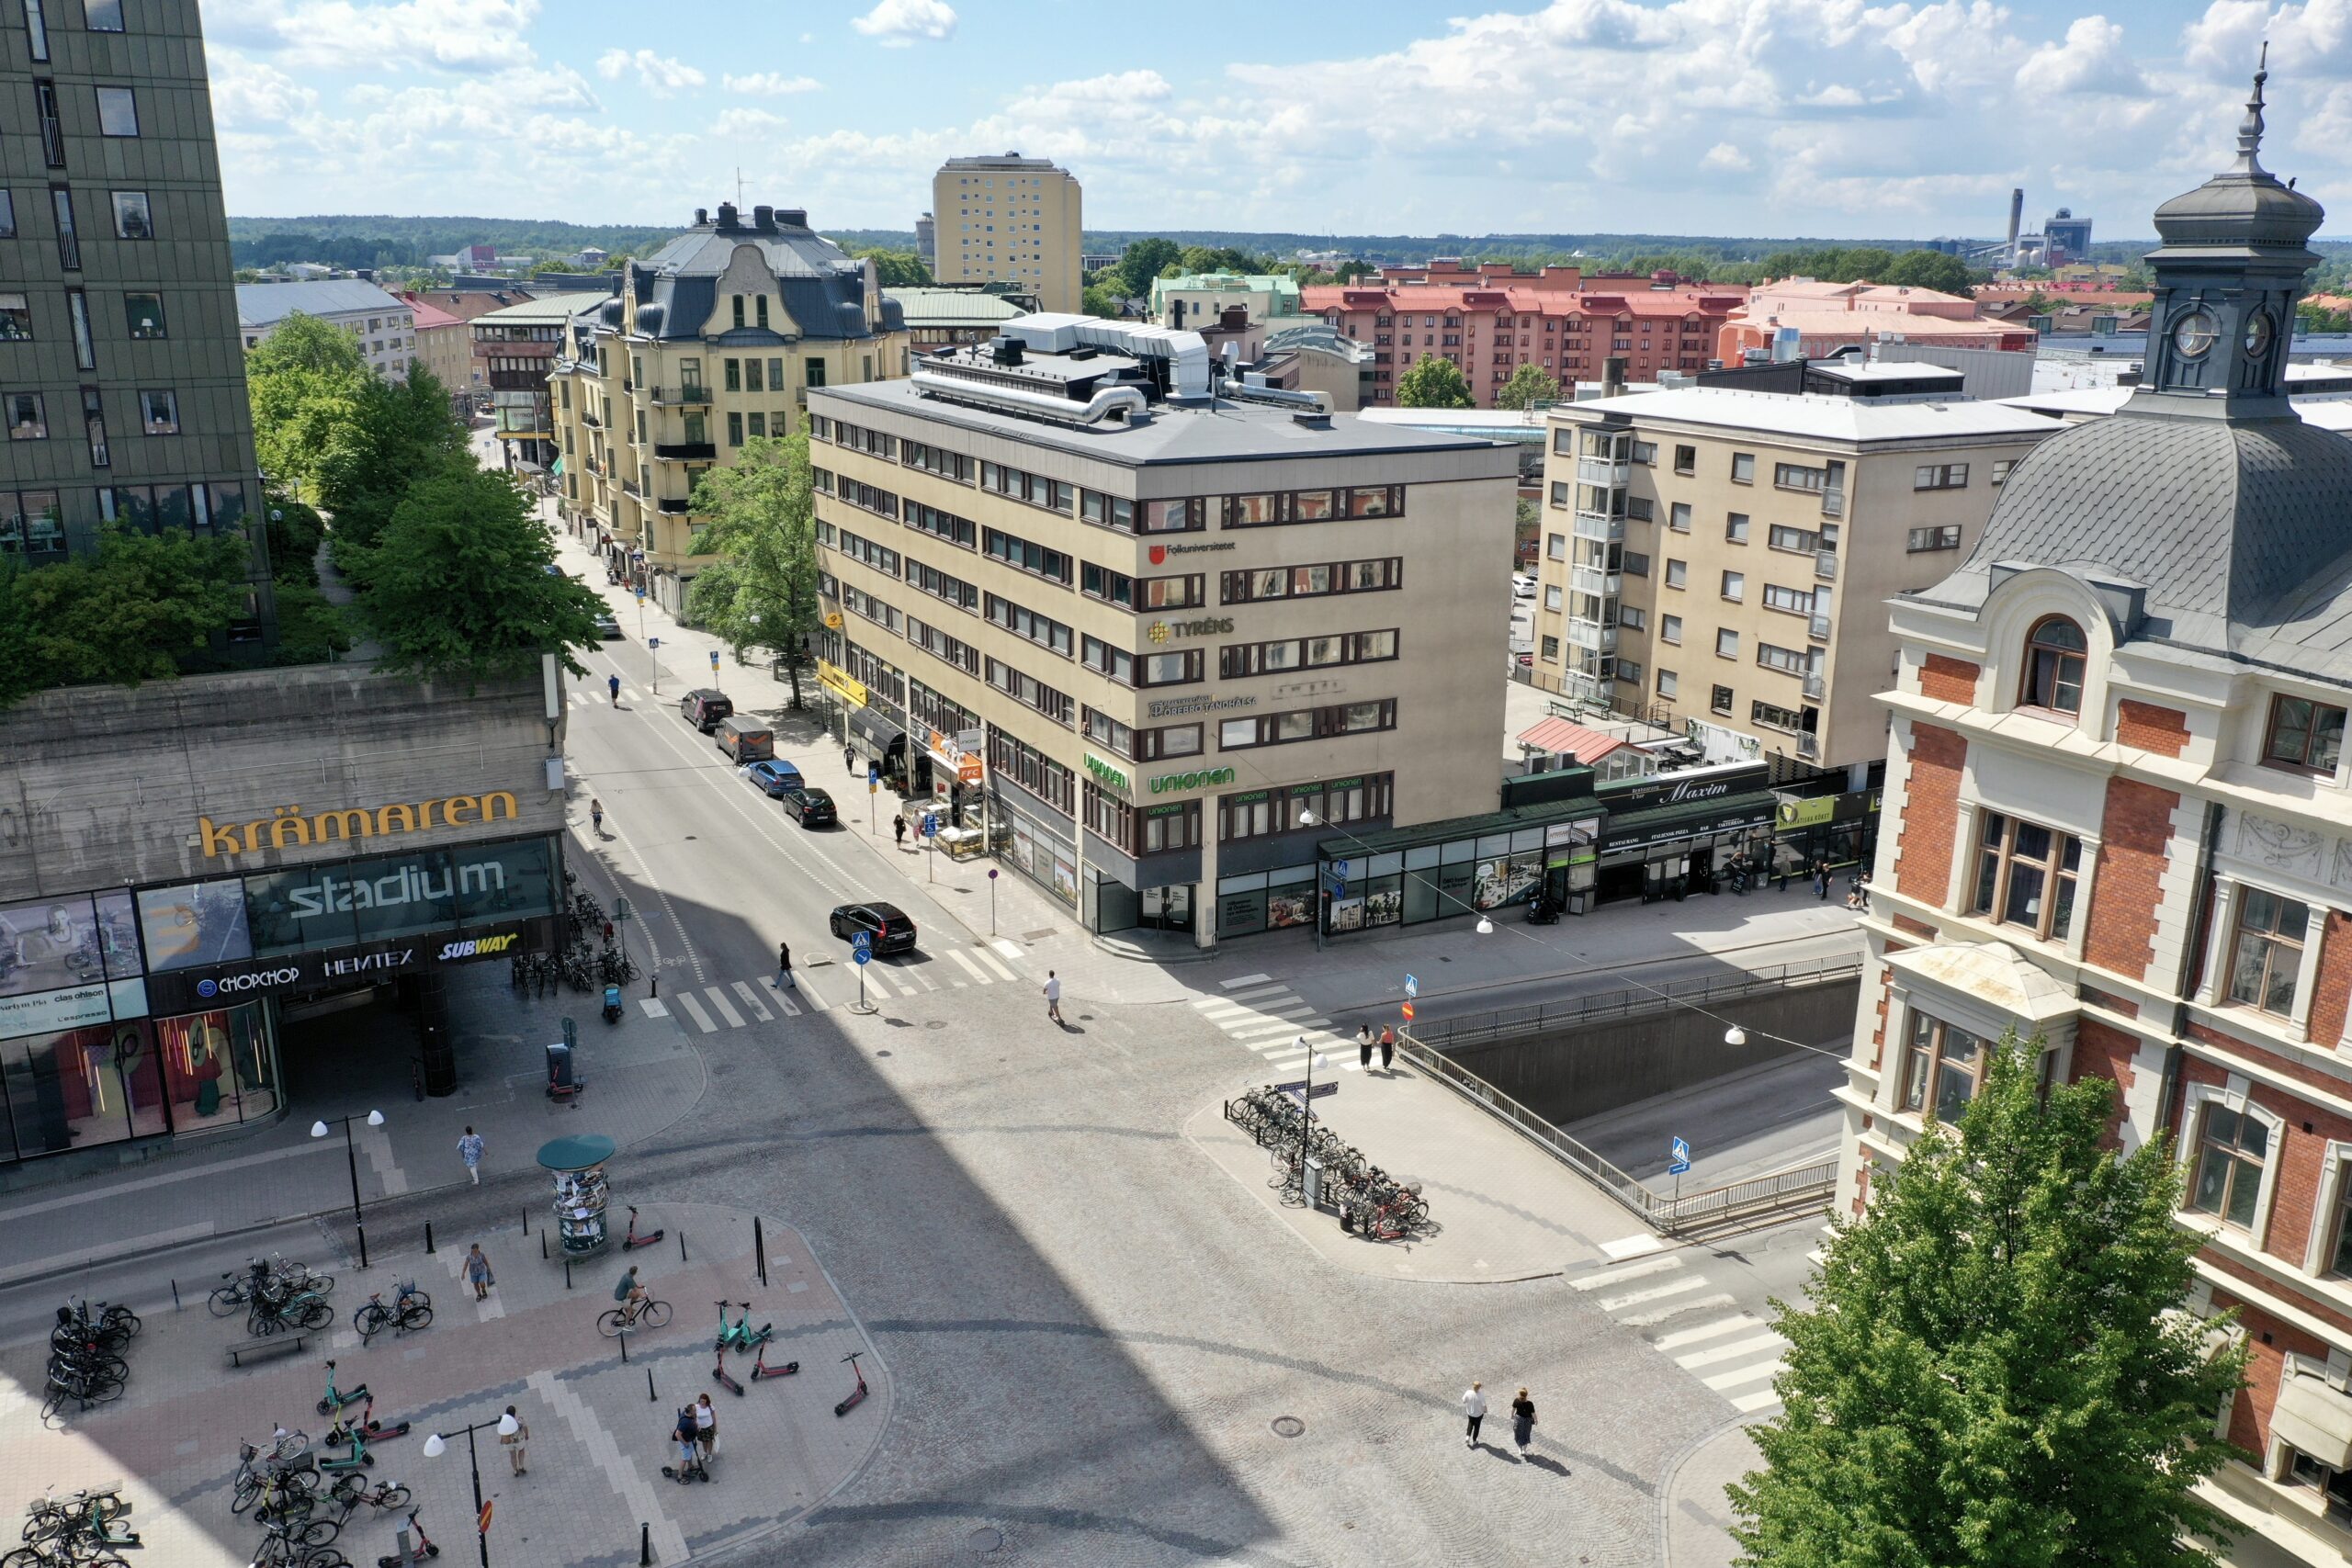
86 1362
304 1500
82 1527
1368 1198
274 1295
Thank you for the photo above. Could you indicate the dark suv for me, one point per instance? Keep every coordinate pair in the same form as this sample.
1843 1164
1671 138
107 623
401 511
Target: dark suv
885 925
705 708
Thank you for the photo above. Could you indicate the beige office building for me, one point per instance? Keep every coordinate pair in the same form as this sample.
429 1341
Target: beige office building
1719 560
1009 219
716 339
1217 634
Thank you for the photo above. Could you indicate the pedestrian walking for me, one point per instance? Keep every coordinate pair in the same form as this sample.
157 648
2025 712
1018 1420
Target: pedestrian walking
1053 996
517 1442
1821 880
478 1272
1474 1405
1387 1047
1523 1420
783 966
596 816
898 828
469 1150
612 684
705 1426
1364 1046
1779 875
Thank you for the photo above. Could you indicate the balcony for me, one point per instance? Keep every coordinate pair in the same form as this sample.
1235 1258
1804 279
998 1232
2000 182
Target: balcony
1592 635
675 505
1833 504
1817 627
1809 747
1824 565
1814 684
1593 525
1592 579
1601 471
628 488
686 451
588 417
689 394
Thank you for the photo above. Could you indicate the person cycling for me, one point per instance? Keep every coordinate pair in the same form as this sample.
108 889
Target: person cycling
612 684
629 1293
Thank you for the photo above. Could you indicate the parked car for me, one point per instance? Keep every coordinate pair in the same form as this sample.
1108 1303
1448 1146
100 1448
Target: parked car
886 923
1522 586
705 708
607 627
811 805
774 777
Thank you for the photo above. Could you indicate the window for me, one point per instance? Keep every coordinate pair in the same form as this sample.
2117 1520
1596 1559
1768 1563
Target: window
813 372
1942 1067
761 314
1677 572
1668 684
1788 661
117 112
1311 582
2266 951
1742 467
1633 618
2231 1146
734 427
1670 628
2053 666
2001 470
1735 527
1181 516
1795 475
1636 564
7 216
2306 737
1796 601
755 423
1686 459
1308 724
94 421
1719 700
1677 517
1630 671
68 240
1236 660
1182 593
2024 875
1804 541
1734 587
1551 649
1551 596
37 27
103 16
1043 630
77 311
1939 475
1947 537
159 412
144 314
1726 643
732 373
751 379
16 319
930 459
1772 716
27 417
1555 545
2339 1227
1643 451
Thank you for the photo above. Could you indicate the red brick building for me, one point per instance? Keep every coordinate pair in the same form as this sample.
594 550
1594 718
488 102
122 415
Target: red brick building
2119 819
1490 321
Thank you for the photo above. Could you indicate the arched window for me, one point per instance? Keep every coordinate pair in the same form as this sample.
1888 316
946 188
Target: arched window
2053 666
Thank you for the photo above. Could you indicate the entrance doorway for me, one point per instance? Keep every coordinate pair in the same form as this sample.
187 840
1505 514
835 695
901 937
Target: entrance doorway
1168 909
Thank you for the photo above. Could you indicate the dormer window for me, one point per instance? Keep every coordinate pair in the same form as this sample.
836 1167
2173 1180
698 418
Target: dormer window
2305 736
2053 666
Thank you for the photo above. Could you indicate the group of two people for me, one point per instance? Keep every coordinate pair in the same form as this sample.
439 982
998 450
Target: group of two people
1523 1416
1365 1043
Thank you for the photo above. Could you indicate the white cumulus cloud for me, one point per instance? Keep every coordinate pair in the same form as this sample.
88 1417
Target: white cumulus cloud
769 84
660 74
899 23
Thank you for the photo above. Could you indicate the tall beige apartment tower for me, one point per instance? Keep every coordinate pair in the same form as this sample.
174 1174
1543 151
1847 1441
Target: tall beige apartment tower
1009 217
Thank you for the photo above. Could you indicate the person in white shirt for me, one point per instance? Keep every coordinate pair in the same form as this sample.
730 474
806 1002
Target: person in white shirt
1053 996
1474 1405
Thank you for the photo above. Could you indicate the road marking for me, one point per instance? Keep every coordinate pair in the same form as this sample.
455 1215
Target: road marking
752 999
778 996
1656 1292
927 983
653 1008
1721 1380
1732 1351
694 1011
726 1009
1749 1403
669 1540
1675 1309
1631 1246
1256 993
1619 1276
1707 1331
1240 980
969 968
992 960
1007 946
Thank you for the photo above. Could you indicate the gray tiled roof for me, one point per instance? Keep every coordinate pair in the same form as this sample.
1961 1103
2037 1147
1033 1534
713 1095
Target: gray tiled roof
267 304
823 290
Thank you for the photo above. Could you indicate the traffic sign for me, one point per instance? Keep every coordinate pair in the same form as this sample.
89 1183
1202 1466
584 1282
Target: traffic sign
1339 869
1295 1089
861 956
872 786
872 772
1408 1012
1412 987
862 940
714 661
1681 1151
654 642
481 1524
931 824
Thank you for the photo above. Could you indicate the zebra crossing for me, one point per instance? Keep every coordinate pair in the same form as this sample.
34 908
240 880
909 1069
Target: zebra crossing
1695 1326
738 1004
1270 1018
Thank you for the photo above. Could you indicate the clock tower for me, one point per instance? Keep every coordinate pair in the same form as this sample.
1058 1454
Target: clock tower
2227 273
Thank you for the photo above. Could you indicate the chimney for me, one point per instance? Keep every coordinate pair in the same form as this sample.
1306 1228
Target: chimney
1612 376
870 281
702 216
727 215
2017 215
792 217
764 218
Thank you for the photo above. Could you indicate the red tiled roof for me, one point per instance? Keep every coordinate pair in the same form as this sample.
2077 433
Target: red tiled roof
1433 297
429 315
1560 736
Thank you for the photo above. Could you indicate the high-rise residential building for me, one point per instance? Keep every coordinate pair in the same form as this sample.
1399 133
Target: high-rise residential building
927 242
2118 825
716 339
1152 643
383 326
1010 218
1697 543
122 384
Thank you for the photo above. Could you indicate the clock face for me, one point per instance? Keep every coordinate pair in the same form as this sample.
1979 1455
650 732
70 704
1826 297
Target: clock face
2193 333
2258 333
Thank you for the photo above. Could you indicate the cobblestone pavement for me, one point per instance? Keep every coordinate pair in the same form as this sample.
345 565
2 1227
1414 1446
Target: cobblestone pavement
595 1424
1695 1517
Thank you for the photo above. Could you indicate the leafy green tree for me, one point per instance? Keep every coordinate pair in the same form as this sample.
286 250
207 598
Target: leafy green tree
457 586
1927 269
1529 385
396 433
310 629
1433 383
897 269
761 592
1990 1374
1142 262
127 613
1352 271
295 531
305 382
1103 302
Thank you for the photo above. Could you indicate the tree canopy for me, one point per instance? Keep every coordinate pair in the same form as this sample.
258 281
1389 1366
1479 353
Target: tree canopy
1433 382
897 269
1529 385
130 612
1143 261
761 592
1991 1373
1098 300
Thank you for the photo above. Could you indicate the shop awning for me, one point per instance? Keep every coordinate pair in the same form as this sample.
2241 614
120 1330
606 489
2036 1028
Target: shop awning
1696 819
875 728
2314 1417
1561 736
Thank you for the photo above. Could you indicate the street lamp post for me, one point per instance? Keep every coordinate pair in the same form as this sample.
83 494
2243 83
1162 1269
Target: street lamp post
438 1444
351 1153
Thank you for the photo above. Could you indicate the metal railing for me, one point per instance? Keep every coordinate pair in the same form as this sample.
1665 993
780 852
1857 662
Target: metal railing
1446 1033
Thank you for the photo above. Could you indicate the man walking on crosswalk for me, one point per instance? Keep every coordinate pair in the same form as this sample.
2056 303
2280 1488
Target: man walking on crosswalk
1053 996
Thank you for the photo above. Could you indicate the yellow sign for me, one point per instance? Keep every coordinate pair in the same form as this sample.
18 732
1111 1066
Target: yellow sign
1807 813
839 682
286 827
832 620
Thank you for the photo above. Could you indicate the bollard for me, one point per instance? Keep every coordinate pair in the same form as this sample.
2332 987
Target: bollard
654 990
363 1246
760 1250
175 1295
644 1546
651 1397
624 1348
682 1246
526 1222
428 1235
567 1273
543 1243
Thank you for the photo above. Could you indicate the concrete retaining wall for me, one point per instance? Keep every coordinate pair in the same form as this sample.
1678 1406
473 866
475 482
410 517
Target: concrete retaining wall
1565 1074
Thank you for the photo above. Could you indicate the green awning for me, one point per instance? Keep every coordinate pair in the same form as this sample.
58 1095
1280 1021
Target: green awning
556 467
1665 824
577 1152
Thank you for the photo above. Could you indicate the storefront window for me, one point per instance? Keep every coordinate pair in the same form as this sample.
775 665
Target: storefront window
49 943
67 1091
221 1068
406 895
511 881
195 923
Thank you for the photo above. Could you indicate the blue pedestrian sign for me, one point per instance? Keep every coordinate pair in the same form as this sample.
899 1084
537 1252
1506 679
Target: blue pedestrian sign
862 940
1412 987
654 642
872 772
1681 1151
1339 869
862 957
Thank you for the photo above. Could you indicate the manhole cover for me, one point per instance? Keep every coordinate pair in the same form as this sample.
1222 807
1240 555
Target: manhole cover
986 1539
881 1053
936 1023
1288 1426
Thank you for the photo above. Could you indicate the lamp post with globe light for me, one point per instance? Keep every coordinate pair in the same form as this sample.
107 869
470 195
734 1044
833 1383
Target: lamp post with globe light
351 1153
438 1444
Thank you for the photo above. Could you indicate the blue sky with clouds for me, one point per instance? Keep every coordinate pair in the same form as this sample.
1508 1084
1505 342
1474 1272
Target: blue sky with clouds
1831 118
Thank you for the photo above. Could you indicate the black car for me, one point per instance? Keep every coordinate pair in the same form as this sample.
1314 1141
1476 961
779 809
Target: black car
811 805
705 708
886 923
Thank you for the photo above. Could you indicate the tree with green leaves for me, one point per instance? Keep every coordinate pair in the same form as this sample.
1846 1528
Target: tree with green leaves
1529 386
128 611
1433 382
458 585
1100 301
1992 1372
761 592
897 269
397 432
305 382
1142 262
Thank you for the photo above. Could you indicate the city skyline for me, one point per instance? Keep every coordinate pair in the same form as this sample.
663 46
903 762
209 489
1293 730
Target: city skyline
1693 117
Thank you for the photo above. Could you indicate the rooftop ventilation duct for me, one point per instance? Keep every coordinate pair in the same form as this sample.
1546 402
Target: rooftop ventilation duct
1185 354
1040 405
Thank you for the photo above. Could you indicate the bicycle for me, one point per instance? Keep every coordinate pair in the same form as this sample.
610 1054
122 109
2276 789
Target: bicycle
645 1313
353 1492
411 1308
